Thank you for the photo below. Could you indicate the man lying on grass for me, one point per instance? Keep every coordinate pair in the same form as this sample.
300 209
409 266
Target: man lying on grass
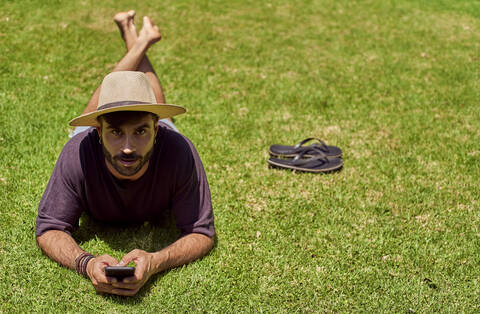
127 167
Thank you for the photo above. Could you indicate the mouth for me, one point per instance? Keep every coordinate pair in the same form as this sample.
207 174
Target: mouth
128 162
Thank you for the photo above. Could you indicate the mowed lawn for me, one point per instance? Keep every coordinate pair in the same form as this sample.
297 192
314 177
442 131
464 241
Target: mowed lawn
395 84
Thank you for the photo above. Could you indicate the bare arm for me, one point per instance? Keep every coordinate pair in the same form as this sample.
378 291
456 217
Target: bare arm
182 251
60 247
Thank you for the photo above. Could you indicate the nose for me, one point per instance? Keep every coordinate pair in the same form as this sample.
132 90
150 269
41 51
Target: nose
128 146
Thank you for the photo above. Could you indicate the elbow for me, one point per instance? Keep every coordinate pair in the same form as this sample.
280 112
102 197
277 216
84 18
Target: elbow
210 243
46 238
205 242
41 240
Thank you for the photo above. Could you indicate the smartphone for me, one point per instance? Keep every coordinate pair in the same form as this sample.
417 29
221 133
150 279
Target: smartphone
119 271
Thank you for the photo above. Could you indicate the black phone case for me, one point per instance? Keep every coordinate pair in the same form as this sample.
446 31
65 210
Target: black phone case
119 271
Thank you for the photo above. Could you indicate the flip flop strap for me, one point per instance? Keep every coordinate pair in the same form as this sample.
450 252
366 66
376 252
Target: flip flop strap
299 160
322 145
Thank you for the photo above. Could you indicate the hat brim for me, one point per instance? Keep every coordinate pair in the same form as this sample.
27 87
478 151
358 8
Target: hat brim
161 110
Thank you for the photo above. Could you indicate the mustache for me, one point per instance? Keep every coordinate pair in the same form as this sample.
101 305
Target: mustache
132 156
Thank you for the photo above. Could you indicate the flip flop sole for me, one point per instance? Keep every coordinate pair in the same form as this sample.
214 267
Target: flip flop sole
333 164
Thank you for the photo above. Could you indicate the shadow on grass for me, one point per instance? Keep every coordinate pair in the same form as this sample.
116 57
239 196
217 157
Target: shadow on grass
147 237
142 293
302 172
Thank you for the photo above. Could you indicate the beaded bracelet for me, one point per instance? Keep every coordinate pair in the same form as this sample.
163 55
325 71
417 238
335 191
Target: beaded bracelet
78 259
84 264
81 263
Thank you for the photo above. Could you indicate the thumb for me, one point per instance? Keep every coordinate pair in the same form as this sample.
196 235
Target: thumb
107 259
127 259
123 262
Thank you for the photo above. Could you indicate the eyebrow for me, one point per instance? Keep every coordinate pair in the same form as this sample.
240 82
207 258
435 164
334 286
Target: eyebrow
142 126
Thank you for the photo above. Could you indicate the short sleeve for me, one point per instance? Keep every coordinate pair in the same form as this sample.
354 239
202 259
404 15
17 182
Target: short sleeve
191 202
61 206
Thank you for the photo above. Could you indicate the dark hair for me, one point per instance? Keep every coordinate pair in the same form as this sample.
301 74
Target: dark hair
118 118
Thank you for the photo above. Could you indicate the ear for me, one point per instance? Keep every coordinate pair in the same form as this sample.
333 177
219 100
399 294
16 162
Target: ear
156 128
99 131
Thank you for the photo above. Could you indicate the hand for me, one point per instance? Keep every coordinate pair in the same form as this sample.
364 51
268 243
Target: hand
144 269
96 273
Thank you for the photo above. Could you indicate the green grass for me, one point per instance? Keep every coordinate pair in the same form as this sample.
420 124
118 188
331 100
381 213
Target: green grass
395 84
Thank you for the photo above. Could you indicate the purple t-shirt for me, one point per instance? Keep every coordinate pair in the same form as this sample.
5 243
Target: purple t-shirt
175 182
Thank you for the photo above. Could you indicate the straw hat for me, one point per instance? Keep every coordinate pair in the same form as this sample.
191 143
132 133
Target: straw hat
126 91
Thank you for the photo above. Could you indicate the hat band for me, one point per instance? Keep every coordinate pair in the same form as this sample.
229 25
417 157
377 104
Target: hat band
121 103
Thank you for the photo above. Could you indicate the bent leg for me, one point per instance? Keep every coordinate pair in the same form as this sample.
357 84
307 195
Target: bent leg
125 22
149 34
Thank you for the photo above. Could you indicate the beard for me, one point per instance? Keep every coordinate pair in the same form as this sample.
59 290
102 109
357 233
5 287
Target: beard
127 171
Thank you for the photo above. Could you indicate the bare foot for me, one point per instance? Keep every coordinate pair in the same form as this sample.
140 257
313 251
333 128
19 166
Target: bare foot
149 32
127 27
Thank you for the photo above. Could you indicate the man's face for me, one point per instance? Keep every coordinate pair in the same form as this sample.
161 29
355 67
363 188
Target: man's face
129 146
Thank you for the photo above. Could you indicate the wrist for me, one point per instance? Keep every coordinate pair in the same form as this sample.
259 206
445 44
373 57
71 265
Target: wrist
159 261
81 263
88 267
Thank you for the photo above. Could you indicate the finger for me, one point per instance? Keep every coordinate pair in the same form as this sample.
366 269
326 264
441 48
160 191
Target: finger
139 272
99 277
105 288
93 280
99 273
129 257
131 280
109 260
125 285
124 292
131 13
102 287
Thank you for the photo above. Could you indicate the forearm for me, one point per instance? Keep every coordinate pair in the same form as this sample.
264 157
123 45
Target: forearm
182 251
60 247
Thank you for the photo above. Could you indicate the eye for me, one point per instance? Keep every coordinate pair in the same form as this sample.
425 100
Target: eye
141 131
116 132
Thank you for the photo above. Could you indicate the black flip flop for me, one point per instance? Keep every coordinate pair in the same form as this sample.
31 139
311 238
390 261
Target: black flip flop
310 150
317 163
